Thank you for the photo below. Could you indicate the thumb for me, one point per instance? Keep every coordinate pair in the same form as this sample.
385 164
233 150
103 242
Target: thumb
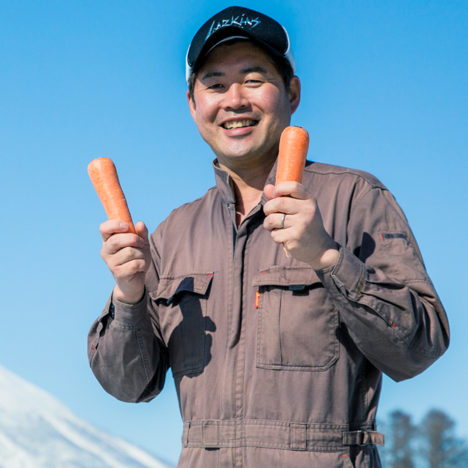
141 230
270 191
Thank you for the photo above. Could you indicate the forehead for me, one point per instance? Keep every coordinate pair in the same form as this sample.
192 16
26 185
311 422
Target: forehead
234 55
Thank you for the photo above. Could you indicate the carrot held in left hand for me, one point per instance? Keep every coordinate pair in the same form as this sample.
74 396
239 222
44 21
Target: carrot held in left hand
103 175
292 214
294 143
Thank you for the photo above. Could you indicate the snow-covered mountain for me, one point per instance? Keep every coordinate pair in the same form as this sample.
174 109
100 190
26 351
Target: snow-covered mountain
37 431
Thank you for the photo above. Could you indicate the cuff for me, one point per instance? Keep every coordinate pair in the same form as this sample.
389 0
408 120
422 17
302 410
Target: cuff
348 275
130 314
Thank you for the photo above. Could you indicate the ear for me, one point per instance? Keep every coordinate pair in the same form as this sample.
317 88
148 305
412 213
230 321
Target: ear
294 93
191 103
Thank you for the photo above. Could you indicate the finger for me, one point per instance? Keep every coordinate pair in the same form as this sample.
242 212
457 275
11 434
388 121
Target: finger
126 255
286 205
141 230
281 236
269 191
128 269
275 221
119 241
291 189
111 227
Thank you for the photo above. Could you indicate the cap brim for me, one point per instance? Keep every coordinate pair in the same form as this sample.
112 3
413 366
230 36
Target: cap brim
230 34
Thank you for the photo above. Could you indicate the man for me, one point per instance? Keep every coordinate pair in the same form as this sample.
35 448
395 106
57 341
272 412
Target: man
277 358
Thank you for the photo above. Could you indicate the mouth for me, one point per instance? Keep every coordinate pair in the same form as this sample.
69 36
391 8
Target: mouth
239 124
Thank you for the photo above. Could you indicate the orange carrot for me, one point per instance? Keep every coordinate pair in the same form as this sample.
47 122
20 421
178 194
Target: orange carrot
293 147
104 177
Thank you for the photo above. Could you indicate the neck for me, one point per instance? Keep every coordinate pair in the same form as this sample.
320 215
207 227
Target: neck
248 184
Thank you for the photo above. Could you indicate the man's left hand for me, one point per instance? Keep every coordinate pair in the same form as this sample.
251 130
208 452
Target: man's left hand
294 220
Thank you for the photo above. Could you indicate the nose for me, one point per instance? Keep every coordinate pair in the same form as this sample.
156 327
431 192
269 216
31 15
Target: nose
235 97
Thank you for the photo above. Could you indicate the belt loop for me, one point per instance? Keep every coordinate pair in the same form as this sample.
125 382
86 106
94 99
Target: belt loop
210 434
363 438
185 434
297 436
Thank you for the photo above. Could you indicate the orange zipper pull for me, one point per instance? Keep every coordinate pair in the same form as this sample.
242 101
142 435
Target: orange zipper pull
257 298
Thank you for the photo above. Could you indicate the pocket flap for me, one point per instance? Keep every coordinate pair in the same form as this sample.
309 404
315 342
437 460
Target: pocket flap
293 278
169 287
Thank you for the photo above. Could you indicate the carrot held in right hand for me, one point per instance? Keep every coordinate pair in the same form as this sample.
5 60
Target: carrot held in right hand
104 177
125 247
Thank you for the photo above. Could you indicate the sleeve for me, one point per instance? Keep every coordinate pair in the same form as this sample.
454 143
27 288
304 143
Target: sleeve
125 347
382 291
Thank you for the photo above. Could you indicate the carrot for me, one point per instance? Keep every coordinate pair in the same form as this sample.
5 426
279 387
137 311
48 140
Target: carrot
104 177
293 147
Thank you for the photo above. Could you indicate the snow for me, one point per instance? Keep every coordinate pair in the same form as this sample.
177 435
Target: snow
37 431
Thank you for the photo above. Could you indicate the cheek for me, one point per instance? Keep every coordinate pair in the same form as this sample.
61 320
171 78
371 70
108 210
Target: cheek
205 110
205 118
208 115
273 101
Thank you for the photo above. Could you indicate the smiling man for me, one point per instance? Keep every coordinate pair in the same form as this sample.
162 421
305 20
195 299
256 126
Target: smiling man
277 359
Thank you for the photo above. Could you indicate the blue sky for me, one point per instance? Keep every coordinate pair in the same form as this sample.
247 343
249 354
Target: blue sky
384 90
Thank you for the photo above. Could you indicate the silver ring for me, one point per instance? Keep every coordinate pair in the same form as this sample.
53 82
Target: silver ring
282 221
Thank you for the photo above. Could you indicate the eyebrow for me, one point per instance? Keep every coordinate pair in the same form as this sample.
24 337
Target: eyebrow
254 68
211 75
244 71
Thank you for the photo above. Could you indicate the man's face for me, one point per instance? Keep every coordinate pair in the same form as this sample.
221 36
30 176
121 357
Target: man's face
240 104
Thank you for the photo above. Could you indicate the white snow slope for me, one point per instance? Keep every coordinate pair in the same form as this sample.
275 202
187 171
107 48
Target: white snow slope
37 431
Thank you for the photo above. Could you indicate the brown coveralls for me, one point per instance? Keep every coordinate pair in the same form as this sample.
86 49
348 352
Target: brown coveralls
275 364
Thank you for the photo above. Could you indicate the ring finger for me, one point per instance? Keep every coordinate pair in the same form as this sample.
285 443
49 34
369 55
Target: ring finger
276 221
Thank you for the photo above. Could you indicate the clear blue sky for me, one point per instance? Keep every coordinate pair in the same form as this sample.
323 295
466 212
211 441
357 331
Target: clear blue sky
384 90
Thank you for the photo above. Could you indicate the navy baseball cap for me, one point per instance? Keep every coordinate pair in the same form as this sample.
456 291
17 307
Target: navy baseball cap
238 23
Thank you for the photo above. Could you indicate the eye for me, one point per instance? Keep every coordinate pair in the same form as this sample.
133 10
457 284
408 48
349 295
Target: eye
253 81
216 86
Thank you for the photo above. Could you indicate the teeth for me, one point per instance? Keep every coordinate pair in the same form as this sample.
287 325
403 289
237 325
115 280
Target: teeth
239 123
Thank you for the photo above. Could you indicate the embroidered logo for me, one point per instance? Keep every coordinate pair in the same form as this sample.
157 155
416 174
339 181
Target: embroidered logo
241 21
393 235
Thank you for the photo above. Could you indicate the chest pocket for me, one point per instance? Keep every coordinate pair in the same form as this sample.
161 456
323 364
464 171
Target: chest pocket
296 322
182 308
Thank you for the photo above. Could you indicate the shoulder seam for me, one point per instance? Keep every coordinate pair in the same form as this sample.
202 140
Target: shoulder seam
368 178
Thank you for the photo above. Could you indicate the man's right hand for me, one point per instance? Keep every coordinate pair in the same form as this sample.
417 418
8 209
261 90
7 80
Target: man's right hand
128 257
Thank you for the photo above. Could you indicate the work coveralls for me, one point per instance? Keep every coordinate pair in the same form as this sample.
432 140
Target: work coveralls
276 364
